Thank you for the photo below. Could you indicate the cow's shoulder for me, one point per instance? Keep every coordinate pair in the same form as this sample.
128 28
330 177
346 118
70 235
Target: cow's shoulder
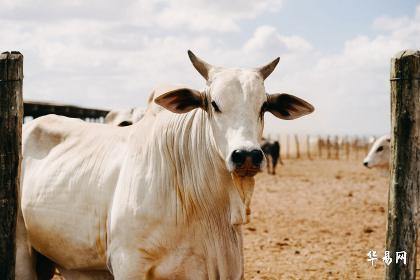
46 132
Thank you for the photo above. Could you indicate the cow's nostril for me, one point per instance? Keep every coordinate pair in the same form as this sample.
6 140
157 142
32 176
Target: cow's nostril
365 163
125 123
238 157
257 157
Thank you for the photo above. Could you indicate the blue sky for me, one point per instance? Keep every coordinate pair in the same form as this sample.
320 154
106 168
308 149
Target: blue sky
335 54
332 22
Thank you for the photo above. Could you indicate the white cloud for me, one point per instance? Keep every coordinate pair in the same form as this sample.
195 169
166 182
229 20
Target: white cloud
217 15
59 11
195 15
351 88
267 39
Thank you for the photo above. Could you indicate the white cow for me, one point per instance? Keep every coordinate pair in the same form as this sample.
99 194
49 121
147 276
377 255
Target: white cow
379 154
164 198
124 117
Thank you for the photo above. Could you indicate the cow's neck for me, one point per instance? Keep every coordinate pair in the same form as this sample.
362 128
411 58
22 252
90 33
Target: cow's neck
181 172
198 175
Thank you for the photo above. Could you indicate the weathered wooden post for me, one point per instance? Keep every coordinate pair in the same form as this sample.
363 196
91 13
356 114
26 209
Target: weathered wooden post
366 145
11 115
347 148
308 147
336 148
355 145
297 146
328 147
281 155
404 188
320 146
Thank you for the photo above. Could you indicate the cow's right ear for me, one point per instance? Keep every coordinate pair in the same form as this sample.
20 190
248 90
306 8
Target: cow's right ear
181 100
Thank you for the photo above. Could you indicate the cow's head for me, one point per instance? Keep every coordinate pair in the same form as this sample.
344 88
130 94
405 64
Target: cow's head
120 117
235 101
379 153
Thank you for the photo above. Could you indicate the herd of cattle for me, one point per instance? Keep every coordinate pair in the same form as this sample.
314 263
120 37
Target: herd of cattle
160 194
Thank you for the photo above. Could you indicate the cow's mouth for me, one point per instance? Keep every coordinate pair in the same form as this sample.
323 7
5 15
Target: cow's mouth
246 172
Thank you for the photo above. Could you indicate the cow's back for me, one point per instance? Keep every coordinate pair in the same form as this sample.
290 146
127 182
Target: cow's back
69 173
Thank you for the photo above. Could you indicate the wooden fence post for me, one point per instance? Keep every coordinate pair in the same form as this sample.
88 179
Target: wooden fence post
347 148
404 188
328 147
308 147
11 115
320 146
366 145
297 146
336 148
355 146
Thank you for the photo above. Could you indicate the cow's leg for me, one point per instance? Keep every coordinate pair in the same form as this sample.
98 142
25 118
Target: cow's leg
25 256
45 268
268 164
274 164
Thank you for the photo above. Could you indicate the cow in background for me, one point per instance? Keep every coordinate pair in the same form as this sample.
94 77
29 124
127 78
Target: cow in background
272 153
379 154
124 117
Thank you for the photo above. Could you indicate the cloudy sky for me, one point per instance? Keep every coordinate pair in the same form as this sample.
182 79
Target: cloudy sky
110 54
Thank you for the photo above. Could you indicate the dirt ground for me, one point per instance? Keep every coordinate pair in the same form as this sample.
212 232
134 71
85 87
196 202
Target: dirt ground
317 220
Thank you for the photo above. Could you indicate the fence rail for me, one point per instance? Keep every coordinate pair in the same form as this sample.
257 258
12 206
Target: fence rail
38 109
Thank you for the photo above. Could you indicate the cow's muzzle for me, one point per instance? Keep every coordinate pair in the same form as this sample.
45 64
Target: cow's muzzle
247 163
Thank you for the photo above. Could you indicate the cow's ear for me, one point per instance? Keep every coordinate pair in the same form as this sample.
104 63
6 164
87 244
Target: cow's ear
181 100
287 107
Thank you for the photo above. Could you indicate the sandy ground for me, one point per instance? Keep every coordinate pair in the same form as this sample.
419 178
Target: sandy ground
317 220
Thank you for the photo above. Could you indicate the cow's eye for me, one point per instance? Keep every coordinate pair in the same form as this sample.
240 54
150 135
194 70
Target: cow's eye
216 108
381 148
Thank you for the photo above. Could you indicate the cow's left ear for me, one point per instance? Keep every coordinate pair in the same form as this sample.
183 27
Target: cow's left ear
181 100
287 107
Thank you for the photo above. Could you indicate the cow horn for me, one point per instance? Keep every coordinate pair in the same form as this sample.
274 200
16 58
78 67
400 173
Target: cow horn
266 70
202 67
